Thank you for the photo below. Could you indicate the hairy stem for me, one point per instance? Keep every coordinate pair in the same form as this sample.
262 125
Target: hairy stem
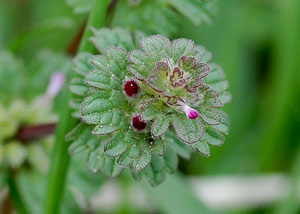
60 157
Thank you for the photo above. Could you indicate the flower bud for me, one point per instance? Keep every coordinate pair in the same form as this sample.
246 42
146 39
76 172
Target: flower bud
131 88
190 112
138 123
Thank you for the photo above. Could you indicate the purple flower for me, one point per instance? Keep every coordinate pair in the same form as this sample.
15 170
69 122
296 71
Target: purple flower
57 81
190 112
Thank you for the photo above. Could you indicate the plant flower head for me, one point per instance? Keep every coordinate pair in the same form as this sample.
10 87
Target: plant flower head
139 103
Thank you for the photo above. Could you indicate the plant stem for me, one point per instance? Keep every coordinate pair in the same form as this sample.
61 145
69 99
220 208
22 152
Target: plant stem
60 157
96 19
15 194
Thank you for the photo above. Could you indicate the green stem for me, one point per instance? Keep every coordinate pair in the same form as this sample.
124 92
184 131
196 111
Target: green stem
15 194
60 157
96 20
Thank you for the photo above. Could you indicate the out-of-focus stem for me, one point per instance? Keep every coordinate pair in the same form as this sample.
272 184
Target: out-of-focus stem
15 194
96 19
60 157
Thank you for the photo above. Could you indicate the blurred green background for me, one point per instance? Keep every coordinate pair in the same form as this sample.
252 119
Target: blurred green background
258 44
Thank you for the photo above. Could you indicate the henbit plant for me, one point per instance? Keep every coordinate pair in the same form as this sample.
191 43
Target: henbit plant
145 101
141 104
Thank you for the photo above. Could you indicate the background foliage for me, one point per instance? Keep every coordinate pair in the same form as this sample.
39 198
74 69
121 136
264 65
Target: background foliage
256 42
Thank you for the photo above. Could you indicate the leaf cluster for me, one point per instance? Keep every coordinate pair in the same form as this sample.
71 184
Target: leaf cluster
106 131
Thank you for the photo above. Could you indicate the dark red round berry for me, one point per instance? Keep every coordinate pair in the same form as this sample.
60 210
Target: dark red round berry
138 123
131 88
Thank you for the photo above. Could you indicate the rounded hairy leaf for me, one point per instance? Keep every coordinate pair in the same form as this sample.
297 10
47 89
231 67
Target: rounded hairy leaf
160 126
203 148
189 131
115 146
212 136
143 161
171 159
117 37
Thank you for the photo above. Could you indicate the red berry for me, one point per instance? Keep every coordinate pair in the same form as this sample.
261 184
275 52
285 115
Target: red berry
131 88
138 123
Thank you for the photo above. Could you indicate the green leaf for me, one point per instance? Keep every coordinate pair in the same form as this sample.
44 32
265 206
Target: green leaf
105 129
143 161
102 80
182 47
160 126
157 163
203 148
93 107
218 82
78 87
81 63
155 173
138 35
149 113
140 67
94 159
171 159
81 6
156 46
159 147
189 131
117 37
220 86
206 56
115 61
224 126
216 74
137 175
125 159
79 136
109 167
212 136
225 97
102 108
181 149
151 17
211 117
116 146
97 160
75 105
192 9
86 183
